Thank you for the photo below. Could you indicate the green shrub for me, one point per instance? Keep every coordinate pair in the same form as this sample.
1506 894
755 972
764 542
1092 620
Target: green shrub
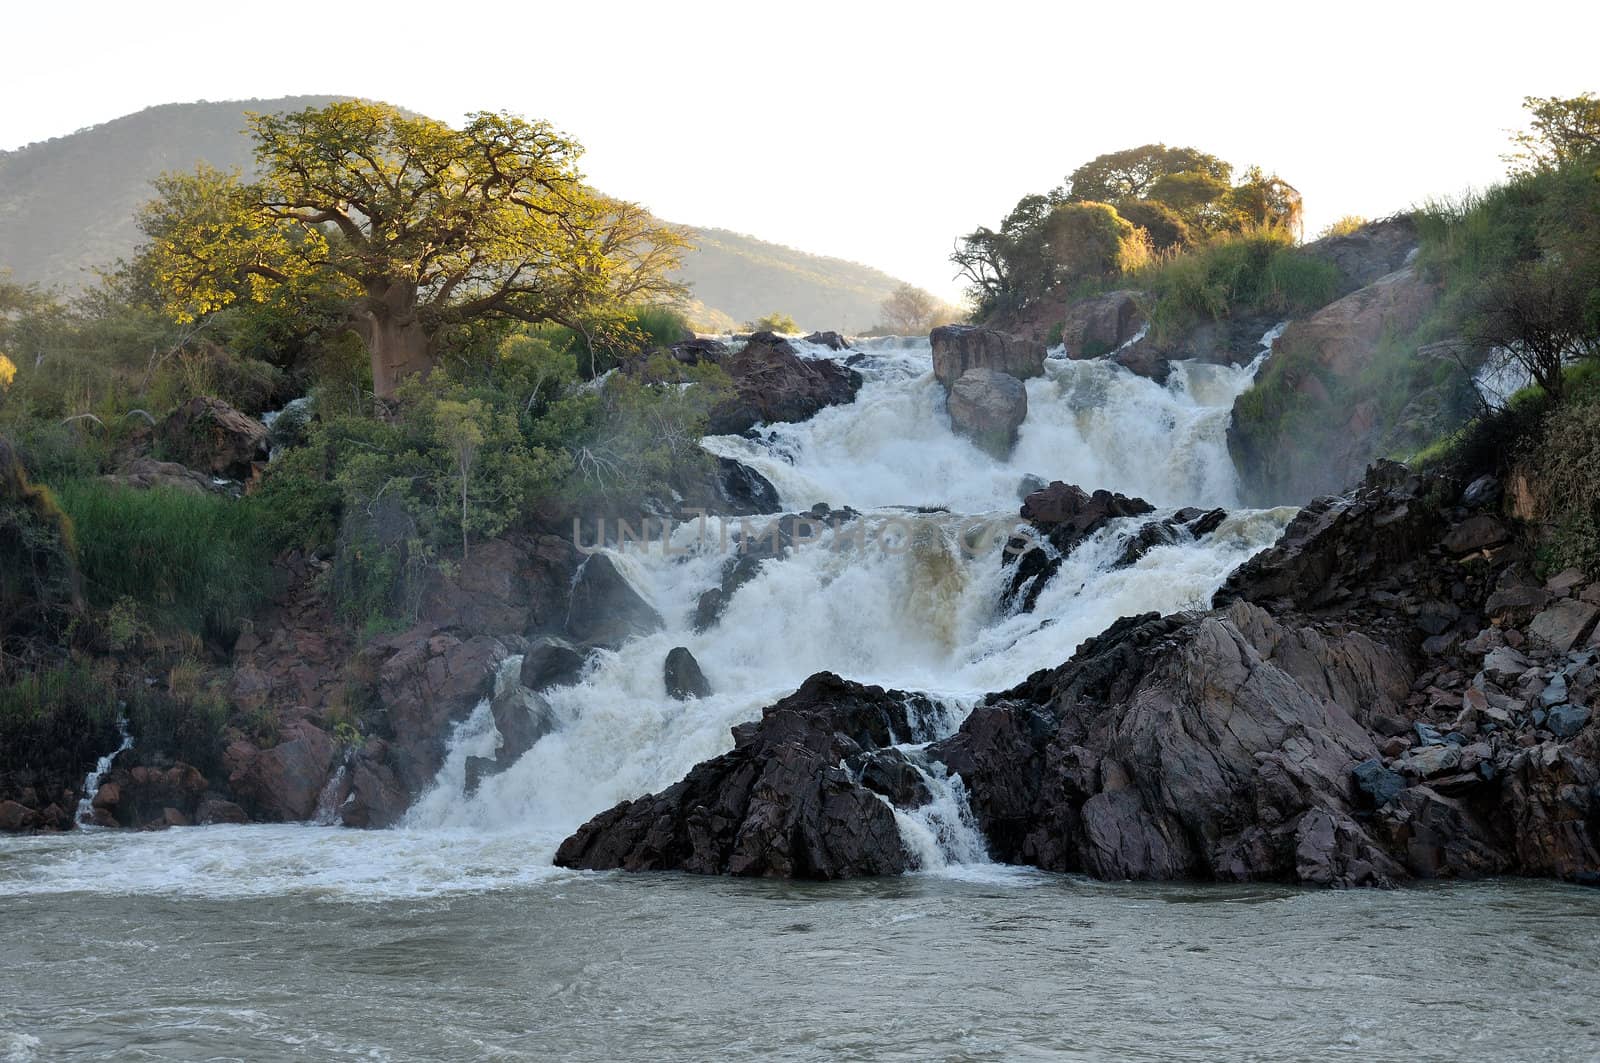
54 721
296 505
773 322
193 561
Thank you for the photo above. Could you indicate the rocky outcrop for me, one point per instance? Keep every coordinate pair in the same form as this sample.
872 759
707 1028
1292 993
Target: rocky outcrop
1371 251
1317 416
786 801
282 783
604 609
683 676
1341 337
988 407
1099 324
831 340
772 384
958 348
1062 515
1228 341
505 586
1330 722
209 435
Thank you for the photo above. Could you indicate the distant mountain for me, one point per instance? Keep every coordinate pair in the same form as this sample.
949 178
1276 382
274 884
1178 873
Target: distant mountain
67 207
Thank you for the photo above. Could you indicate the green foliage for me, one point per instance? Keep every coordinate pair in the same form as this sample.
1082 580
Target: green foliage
73 687
417 227
1562 131
185 721
191 561
1342 226
1258 271
296 505
773 322
1112 217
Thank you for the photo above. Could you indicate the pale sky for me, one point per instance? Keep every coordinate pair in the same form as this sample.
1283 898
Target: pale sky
872 131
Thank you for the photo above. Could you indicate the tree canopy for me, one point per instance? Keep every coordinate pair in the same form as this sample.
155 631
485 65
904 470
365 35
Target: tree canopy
1111 214
416 226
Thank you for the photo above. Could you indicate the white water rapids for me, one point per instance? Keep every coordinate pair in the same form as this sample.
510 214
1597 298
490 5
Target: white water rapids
925 618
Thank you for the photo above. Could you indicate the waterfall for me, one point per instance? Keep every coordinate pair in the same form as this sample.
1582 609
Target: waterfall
84 817
908 604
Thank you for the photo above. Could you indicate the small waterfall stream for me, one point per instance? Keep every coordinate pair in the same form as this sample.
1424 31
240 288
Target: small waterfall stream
84 816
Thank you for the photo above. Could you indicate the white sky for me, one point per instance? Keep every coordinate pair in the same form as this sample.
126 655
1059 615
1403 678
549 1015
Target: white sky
873 131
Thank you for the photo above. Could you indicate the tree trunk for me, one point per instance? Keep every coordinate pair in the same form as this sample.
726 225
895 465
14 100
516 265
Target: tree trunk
398 343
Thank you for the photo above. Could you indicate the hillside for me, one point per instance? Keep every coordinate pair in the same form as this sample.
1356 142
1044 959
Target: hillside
67 206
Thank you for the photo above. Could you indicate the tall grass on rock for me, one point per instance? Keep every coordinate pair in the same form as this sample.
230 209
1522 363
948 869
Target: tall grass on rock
197 562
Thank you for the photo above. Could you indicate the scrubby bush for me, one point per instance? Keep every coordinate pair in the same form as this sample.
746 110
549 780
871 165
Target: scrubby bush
773 322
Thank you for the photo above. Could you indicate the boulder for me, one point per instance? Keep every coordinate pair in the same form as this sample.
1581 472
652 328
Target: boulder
141 474
784 802
215 809
831 340
604 609
1476 533
1563 625
1566 581
427 680
283 783
988 407
550 661
522 717
1097 325
1063 515
684 678
958 348
209 435
1565 721
772 384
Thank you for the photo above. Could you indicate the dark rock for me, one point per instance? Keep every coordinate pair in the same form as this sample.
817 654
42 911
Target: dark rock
1516 604
522 718
890 773
209 435
831 340
551 662
604 609
1481 493
771 384
778 804
1029 484
1377 783
683 676
1563 625
708 609
426 681
1476 533
215 809
283 783
1565 582
958 348
1339 542
1063 504
988 407
15 817
1564 721
1369 252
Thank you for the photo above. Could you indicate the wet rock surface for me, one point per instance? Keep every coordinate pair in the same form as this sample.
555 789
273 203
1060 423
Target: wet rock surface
958 348
772 383
988 407
784 802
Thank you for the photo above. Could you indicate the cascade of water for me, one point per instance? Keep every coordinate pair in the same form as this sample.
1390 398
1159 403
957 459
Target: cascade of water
84 816
911 607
